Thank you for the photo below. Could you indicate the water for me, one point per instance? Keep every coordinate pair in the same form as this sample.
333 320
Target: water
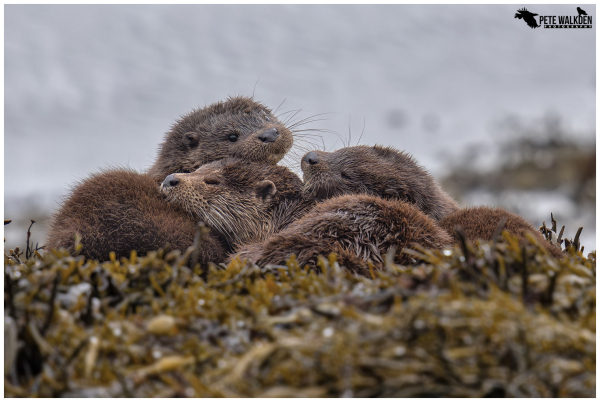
96 86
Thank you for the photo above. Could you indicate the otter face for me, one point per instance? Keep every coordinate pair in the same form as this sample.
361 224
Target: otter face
380 171
239 127
234 198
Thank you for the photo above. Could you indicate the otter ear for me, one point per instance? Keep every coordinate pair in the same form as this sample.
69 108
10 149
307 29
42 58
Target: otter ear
265 190
190 139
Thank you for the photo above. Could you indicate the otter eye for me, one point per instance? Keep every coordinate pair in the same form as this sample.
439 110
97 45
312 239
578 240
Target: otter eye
212 182
233 138
345 176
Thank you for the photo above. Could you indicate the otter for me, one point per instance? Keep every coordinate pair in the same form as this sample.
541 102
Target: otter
389 173
480 223
239 200
239 127
123 210
375 170
358 228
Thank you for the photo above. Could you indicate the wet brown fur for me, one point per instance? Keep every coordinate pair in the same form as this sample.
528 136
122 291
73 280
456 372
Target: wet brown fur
356 227
241 201
480 223
120 211
203 136
376 170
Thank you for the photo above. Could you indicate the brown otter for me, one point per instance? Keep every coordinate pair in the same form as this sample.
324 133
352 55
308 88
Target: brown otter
375 170
481 223
240 201
120 211
356 227
123 210
386 172
239 127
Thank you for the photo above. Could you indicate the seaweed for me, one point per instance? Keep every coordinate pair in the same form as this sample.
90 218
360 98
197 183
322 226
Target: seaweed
498 318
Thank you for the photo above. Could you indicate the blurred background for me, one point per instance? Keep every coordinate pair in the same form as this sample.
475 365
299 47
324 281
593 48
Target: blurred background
500 113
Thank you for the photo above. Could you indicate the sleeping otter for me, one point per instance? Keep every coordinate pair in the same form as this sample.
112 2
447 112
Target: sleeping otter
240 201
389 200
380 171
356 227
239 127
351 225
393 174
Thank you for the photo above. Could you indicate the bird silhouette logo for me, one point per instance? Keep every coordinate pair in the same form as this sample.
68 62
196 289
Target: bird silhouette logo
581 12
528 16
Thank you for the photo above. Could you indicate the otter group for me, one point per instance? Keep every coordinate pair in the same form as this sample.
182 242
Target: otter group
217 165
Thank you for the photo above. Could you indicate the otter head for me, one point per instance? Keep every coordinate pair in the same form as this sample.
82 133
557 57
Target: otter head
239 127
235 198
374 170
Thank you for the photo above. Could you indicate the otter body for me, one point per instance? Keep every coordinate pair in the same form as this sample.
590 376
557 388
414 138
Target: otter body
375 170
358 228
481 223
120 211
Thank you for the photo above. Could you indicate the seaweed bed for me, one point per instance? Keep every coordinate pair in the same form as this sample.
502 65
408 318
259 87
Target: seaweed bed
489 319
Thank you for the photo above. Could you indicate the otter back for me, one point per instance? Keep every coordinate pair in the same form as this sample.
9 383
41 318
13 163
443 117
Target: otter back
480 223
359 228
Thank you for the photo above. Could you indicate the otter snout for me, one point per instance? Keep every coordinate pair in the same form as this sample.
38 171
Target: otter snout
170 181
269 135
311 158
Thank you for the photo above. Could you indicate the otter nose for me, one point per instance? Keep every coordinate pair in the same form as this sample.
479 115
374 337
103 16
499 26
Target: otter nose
269 135
170 181
311 158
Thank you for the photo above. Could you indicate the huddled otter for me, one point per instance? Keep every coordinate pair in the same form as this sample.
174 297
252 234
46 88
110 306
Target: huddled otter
390 173
240 127
95 208
375 170
356 227
481 223
120 211
372 198
240 201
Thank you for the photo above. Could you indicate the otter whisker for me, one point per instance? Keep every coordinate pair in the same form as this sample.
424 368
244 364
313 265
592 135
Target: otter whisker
324 131
309 139
289 111
291 117
363 130
305 121
279 106
318 130
305 135
313 116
